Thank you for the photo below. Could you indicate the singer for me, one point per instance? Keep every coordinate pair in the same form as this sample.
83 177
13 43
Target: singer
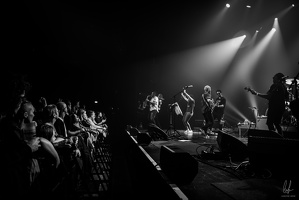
189 111
277 95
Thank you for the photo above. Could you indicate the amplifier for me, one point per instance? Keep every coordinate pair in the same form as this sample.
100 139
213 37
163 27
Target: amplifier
261 123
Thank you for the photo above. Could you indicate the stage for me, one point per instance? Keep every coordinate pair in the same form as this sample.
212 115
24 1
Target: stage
222 172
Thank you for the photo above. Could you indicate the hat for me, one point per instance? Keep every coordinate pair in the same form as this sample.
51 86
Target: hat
279 76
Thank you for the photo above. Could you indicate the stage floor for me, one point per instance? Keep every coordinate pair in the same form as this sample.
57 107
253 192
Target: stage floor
220 178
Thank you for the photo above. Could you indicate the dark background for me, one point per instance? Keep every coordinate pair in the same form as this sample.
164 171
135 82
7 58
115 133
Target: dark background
115 52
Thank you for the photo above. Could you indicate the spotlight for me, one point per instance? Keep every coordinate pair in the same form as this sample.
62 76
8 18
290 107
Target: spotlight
248 6
244 36
293 5
276 19
257 31
227 5
273 29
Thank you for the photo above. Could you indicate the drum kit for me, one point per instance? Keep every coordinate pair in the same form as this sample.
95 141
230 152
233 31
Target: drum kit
289 117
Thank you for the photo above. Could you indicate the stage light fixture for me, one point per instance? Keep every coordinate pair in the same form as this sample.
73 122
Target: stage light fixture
248 6
293 5
227 5
276 19
273 29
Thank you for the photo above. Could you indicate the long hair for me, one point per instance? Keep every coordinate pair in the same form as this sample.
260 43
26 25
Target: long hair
207 89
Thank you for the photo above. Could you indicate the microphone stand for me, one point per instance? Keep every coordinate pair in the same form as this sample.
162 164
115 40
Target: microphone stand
171 120
294 82
295 103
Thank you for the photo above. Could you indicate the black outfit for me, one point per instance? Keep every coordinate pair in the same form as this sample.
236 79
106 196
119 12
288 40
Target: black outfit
16 157
60 128
218 112
277 95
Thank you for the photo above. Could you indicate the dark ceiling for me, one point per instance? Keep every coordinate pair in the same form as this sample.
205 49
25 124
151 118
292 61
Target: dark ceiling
91 49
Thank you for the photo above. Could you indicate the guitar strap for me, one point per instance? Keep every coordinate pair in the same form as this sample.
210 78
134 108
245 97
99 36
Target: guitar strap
206 102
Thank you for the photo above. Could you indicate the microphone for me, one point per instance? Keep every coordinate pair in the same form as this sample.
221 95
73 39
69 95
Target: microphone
189 86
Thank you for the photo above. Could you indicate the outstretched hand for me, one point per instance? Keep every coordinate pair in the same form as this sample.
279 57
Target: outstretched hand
251 90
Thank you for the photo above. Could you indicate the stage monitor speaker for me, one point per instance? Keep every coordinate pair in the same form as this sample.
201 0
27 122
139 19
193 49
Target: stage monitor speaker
156 133
263 133
178 165
133 131
274 153
231 146
143 138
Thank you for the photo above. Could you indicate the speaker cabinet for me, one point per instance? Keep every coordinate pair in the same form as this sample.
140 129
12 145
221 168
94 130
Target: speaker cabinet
156 133
268 150
178 165
143 139
261 123
231 146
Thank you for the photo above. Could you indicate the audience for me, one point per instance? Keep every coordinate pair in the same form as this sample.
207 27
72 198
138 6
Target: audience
40 145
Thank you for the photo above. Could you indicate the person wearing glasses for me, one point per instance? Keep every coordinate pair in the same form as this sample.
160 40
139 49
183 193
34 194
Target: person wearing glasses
219 106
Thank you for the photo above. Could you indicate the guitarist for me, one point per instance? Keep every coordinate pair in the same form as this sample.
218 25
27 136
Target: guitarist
206 109
277 95
153 107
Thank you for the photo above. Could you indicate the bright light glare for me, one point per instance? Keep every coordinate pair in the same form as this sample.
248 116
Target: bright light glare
248 6
227 5
273 29
244 36
276 18
293 5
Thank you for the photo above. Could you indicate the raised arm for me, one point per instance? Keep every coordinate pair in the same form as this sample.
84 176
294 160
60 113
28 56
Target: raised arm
184 95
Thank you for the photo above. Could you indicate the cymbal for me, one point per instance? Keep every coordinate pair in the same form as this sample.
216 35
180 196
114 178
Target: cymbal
289 81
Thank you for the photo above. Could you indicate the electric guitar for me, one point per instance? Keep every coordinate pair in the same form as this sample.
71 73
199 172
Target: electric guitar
210 104
250 90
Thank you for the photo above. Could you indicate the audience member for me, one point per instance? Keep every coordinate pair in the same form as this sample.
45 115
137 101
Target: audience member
18 168
59 123
92 123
